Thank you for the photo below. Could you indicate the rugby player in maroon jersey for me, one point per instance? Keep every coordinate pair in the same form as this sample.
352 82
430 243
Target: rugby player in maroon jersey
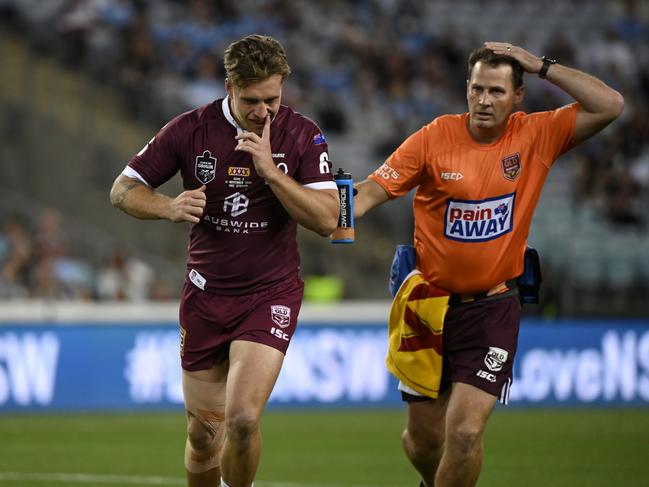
252 169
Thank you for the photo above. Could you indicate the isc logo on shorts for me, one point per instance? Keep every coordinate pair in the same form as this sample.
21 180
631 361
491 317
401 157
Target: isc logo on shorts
479 220
483 374
280 334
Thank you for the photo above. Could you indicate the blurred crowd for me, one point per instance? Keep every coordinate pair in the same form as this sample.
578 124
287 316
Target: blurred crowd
367 71
38 261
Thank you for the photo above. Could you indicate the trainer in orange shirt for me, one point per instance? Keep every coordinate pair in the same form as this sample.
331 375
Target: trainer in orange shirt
478 177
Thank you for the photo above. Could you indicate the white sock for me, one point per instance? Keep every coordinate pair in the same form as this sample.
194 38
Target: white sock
223 484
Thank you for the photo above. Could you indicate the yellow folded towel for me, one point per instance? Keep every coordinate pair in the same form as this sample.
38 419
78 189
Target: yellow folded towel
415 334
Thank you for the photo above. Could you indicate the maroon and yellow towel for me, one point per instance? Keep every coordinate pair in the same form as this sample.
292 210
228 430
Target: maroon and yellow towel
415 330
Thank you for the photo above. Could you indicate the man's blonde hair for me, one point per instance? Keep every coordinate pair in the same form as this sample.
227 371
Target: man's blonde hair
253 59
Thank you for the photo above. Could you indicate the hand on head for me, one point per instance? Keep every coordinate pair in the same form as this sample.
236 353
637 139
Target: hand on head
529 62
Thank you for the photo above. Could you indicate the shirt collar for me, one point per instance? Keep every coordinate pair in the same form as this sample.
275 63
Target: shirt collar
225 106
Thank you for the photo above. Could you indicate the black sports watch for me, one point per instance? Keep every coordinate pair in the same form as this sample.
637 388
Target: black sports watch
547 62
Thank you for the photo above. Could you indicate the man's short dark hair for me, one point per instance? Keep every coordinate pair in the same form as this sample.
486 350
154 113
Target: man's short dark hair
487 56
255 58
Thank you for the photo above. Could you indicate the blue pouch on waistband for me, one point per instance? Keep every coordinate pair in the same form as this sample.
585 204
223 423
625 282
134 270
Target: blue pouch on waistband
403 263
529 282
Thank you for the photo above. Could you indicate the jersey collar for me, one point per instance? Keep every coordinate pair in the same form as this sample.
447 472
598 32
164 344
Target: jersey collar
225 106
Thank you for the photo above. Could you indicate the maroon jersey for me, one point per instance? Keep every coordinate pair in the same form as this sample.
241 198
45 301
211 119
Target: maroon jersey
246 240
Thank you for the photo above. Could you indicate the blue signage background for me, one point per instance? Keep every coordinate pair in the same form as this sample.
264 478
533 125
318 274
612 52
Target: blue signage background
79 367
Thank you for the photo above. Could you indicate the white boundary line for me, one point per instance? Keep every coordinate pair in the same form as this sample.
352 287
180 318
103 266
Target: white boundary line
39 311
82 478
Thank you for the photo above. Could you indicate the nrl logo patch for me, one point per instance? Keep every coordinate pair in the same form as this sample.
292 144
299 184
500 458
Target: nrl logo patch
512 166
281 315
205 167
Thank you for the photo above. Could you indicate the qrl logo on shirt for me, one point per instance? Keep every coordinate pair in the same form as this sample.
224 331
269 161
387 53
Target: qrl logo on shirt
479 220
512 166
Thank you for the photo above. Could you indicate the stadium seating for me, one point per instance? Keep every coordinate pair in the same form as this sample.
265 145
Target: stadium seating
119 69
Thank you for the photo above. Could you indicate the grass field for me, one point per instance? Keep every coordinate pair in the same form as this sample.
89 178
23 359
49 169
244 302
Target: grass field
327 449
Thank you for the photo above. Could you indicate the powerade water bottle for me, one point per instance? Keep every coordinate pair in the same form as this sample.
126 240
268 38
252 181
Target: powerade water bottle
345 231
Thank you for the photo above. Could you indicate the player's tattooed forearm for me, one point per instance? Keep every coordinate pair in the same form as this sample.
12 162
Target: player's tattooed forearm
120 196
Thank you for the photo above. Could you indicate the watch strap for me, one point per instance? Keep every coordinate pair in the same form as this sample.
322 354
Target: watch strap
547 62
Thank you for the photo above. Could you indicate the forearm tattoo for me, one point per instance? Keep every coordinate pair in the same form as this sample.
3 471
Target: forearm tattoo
120 195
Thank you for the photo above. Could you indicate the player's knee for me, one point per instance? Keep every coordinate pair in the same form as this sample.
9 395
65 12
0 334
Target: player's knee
198 435
464 440
421 445
203 447
241 426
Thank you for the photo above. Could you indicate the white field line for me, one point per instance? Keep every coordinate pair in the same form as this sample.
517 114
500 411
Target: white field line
82 478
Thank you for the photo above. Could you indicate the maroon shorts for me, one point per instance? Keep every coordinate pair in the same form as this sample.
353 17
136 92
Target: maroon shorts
479 345
210 322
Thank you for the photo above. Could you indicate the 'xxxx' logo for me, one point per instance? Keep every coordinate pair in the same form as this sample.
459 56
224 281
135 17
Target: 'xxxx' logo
239 171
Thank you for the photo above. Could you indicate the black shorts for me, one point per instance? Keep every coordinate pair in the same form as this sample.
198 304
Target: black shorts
479 345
